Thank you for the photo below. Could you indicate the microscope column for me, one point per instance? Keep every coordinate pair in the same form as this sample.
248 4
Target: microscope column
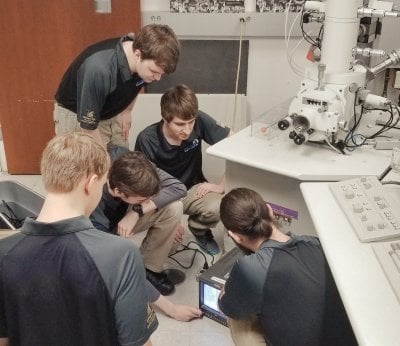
340 35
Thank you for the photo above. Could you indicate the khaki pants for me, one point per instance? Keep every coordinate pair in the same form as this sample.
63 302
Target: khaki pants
246 332
64 120
110 130
161 226
203 211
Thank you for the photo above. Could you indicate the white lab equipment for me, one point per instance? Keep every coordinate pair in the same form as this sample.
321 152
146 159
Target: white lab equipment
335 87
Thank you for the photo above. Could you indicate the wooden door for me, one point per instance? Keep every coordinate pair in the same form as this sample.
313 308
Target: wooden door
38 40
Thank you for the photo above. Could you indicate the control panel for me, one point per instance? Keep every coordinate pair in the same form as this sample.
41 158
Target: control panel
388 254
373 211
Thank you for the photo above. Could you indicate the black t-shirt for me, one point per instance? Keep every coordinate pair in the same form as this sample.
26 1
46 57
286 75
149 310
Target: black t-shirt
184 161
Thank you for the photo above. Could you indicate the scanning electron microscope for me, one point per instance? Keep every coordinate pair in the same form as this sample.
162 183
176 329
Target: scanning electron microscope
334 91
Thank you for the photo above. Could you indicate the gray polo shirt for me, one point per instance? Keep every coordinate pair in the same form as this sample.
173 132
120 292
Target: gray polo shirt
68 282
289 287
98 84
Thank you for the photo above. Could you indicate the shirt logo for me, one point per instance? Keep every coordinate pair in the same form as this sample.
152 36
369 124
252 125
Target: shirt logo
139 83
192 145
151 316
89 118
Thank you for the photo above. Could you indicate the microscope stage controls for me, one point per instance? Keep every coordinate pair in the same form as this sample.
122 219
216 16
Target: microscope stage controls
371 209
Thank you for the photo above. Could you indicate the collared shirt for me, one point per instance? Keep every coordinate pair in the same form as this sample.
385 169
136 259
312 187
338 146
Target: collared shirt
98 85
183 161
290 288
68 282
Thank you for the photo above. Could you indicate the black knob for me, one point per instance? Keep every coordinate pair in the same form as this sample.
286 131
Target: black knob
283 124
299 139
292 134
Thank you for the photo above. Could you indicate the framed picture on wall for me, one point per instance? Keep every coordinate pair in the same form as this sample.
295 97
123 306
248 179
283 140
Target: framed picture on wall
233 6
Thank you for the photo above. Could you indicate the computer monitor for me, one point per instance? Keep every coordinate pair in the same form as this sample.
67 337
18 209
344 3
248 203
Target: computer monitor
211 283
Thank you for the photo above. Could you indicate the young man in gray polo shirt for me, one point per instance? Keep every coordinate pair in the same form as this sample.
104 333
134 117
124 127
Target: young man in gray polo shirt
97 92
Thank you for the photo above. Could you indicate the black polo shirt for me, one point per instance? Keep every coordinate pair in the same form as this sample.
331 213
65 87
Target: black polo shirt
98 85
66 283
183 161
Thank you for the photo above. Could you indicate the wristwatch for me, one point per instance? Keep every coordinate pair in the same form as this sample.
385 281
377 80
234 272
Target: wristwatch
137 208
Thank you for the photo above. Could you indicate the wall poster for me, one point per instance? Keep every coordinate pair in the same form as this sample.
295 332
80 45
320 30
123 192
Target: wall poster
233 6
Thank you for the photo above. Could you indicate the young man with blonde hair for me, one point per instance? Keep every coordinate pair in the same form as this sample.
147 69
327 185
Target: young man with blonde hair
63 281
97 92
174 145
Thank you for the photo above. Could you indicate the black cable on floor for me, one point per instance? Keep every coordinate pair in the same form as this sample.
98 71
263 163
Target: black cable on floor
196 251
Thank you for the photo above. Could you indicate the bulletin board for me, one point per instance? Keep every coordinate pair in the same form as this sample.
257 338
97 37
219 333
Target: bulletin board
208 67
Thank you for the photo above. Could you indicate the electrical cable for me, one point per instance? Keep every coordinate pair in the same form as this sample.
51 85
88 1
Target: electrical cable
196 251
242 23
385 173
11 216
295 68
286 22
351 134
332 147
391 182
307 37
390 124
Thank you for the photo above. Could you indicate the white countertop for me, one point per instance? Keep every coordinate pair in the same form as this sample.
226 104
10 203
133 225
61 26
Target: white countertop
370 302
308 162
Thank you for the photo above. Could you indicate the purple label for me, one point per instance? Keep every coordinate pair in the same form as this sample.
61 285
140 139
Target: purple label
285 212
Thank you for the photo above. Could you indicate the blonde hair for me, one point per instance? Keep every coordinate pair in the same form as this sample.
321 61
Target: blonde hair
69 158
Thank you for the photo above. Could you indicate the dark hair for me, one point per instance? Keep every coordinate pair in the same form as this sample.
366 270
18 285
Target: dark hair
159 43
134 175
244 211
179 101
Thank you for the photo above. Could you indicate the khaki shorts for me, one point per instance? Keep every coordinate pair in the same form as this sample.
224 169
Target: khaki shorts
110 130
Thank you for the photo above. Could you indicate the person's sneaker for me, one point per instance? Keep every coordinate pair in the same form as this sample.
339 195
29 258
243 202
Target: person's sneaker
161 282
206 241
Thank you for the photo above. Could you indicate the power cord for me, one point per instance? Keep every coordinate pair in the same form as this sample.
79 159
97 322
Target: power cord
242 23
11 216
385 173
